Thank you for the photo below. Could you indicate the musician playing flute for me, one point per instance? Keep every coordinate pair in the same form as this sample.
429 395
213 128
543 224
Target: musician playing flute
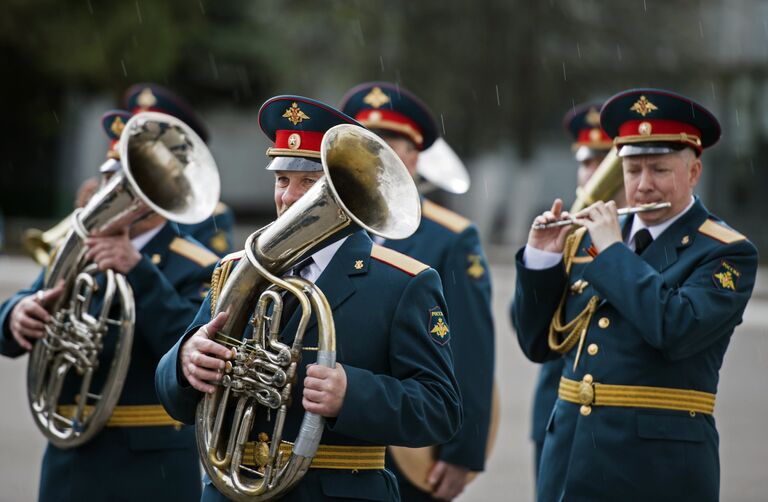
642 309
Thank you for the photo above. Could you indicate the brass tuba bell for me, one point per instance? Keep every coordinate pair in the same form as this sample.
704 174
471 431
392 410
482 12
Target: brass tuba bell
166 169
365 186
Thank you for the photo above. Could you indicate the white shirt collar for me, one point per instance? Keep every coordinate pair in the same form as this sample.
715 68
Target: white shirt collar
142 240
655 230
321 259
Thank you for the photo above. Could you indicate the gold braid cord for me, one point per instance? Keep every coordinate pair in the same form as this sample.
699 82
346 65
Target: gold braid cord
218 279
563 337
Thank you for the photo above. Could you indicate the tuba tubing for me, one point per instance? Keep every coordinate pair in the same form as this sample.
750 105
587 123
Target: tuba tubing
167 169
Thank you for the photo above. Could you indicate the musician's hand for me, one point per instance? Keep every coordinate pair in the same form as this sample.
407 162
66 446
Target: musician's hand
114 252
447 480
324 390
549 239
202 359
29 316
602 221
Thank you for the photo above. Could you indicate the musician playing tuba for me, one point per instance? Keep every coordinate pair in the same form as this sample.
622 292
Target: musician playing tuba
140 453
393 380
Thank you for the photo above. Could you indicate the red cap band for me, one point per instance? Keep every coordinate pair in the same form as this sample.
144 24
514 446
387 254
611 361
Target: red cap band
391 121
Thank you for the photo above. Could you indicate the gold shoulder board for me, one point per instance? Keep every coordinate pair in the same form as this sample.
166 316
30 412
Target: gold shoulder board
193 252
720 232
445 217
398 260
221 208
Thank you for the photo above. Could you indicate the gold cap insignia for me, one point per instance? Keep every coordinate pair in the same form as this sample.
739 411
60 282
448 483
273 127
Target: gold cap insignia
117 126
374 116
438 328
643 106
294 141
645 128
376 98
358 264
594 134
146 99
593 117
294 114
476 268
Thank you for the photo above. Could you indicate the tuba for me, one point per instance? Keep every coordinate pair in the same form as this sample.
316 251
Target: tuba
607 179
40 244
167 169
365 186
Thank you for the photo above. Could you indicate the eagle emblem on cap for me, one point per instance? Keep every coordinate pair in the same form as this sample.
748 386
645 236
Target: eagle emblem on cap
593 117
643 106
146 99
117 126
294 114
376 98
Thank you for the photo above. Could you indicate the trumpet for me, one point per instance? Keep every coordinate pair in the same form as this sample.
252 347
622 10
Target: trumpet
643 208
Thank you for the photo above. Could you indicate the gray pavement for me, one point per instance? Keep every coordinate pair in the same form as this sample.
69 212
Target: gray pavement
742 407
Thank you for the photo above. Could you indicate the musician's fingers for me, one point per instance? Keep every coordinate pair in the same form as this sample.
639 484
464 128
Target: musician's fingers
204 374
36 311
200 385
29 323
213 348
315 396
204 361
21 340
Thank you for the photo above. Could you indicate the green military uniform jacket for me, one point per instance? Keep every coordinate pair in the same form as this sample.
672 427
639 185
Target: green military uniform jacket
450 244
400 384
662 320
134 462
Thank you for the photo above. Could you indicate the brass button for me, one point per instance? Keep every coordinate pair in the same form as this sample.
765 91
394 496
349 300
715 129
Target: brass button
604 322
592 349
588 378
585 410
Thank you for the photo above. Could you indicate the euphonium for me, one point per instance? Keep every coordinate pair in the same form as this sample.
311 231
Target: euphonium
40 244
166 169
607 179
365 186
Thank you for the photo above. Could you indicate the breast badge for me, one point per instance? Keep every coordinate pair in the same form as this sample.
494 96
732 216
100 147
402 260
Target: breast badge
438 328
726 276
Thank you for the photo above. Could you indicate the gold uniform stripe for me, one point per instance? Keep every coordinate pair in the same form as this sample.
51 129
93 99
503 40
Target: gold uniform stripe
445 217
193 252
329 456
398 260
141 415
639 397
720 232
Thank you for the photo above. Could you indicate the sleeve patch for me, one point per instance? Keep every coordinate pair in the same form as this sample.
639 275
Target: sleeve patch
476 269
726 276
438 328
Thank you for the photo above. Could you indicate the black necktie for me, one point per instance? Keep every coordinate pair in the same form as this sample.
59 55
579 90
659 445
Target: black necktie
290 302
643 239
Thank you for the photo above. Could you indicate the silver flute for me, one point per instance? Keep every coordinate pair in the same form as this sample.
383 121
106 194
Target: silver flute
624 210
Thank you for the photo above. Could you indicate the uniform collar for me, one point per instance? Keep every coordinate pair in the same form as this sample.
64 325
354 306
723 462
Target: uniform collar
323 257
142 240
